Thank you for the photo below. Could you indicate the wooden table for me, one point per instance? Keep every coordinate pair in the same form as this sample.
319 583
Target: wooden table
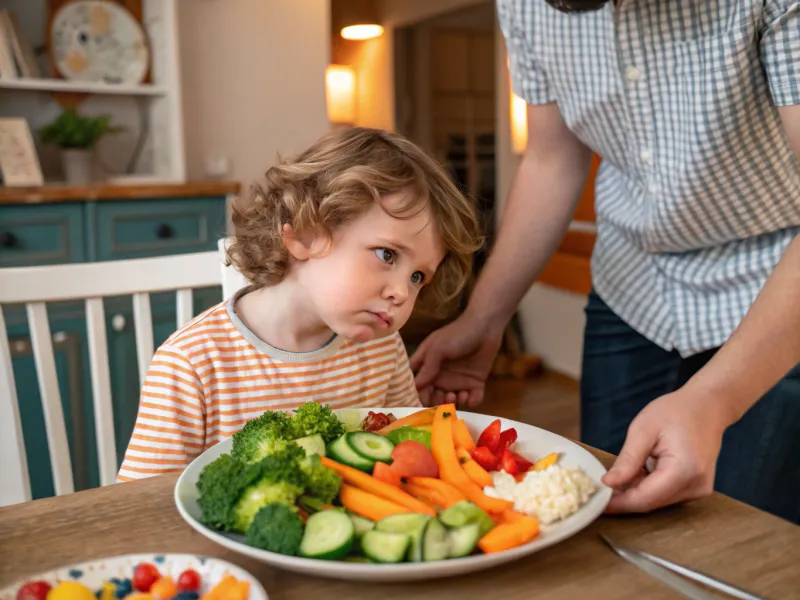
718 535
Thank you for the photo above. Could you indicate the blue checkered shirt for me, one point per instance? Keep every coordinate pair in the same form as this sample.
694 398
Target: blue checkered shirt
698 194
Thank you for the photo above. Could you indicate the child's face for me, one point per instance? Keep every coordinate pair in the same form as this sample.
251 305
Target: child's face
366 285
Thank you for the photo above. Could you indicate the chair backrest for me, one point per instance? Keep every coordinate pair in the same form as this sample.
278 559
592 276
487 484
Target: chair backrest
91 282
232 280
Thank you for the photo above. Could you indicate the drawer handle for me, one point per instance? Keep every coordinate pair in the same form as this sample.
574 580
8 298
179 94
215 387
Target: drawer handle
8 239
164 231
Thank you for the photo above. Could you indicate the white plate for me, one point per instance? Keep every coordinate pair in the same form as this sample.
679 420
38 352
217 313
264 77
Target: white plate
93 573
531 441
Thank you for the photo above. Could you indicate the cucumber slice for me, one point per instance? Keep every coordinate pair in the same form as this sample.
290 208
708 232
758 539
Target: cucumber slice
312 444
411 524
465 513
361 525
464 539
385 546
371 446
329 534
435 541
339 451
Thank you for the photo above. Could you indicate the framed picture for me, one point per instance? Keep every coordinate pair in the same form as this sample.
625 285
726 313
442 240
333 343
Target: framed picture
19 162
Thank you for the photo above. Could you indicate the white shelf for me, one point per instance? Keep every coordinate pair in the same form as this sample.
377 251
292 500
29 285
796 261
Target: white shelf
62 85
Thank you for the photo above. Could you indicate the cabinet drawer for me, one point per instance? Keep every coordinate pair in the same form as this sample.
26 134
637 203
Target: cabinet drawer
42 234
144 228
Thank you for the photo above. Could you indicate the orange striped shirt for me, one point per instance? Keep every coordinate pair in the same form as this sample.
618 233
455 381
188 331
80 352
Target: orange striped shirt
213 375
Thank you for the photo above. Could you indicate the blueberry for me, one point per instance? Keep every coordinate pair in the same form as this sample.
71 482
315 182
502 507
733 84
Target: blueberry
186 596
75 573
159 559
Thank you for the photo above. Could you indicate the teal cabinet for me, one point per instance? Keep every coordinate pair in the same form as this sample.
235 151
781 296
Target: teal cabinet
32 235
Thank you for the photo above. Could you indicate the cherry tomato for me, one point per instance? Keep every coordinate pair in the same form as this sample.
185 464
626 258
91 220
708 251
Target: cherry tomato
189 581
33 590
413 459
144 576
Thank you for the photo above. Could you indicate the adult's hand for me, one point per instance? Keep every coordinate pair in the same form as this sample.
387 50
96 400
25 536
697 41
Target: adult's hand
683 436
453 363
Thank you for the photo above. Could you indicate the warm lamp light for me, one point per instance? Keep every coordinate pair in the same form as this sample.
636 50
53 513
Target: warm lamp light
340 91
362 32
519 124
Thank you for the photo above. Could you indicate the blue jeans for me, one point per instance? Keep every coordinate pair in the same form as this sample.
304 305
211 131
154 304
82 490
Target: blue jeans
759 463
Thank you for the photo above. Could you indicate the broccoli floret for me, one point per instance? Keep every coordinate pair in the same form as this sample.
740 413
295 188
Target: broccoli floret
218 492
232 492
277 528
312 417
262 436
322 483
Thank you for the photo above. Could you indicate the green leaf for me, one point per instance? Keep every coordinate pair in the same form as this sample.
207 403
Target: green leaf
71 130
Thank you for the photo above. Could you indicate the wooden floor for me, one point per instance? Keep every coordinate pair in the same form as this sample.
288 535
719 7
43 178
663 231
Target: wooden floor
548 400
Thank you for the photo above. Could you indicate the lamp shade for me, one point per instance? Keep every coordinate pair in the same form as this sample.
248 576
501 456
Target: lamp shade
340 91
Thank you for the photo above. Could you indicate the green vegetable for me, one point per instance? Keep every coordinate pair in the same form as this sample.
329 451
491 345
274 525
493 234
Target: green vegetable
271 432
321 482
313 417
277 528
232 492
350 418
329 535
402 434
312 444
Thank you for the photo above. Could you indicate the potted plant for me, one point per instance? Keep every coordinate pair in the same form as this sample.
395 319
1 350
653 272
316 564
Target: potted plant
76 135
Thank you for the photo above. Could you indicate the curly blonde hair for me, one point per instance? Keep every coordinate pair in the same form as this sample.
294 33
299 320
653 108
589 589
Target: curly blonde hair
337 179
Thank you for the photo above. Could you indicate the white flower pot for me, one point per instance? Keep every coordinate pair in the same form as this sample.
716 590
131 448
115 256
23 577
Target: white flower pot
78 165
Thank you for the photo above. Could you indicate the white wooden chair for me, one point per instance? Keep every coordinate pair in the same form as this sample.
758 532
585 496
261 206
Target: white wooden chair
91 282
232 280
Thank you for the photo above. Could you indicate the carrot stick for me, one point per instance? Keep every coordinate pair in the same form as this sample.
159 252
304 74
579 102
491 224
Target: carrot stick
421 417
379 488
368 505
546 461
510 535
473 470
444 451
449 493
461 435
428 496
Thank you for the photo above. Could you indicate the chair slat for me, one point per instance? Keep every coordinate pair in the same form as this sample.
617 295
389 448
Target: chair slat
101 391
184 308
143 326
16 485
51 398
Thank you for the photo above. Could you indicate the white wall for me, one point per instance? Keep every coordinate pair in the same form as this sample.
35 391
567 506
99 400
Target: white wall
253 80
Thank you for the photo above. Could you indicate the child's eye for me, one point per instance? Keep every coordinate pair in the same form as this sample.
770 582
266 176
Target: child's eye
417 277
384 254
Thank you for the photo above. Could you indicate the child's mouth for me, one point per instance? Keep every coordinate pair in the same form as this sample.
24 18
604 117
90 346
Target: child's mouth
384 319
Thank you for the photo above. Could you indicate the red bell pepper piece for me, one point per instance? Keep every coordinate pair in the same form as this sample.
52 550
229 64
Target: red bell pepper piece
484 457
508 464
508 437
523 464
490 437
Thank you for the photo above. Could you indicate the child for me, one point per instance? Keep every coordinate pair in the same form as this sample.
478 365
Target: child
339 246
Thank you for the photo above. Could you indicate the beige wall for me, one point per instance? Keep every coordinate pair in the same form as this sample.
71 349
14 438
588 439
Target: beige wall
253 80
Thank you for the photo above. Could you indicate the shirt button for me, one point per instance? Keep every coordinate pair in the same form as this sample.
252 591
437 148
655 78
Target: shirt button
632 73
652 190
645 155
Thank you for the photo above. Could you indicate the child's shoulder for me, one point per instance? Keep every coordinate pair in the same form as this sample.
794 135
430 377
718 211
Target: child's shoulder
212 324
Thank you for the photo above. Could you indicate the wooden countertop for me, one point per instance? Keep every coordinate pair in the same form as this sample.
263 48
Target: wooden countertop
718 536
65 193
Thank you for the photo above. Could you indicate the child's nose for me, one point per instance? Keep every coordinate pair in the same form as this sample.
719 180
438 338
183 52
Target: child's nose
396 291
